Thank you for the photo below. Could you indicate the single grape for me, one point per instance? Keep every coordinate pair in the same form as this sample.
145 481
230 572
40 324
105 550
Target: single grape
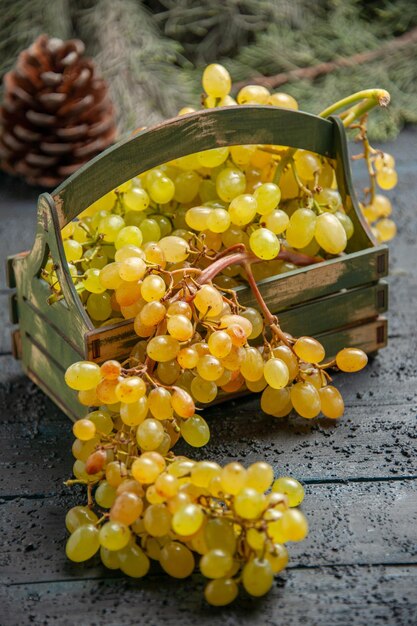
249 503
282 100
177 560
291 488
83 543
216 80
257 577
276 373
351 359
157 520
133 561
259 476
330 234
242 209
221 591
332 404
264 244
79 516
84 429
267 197
305 399
83 375
187 520
230 182
195 431
253 94
105 495
149 434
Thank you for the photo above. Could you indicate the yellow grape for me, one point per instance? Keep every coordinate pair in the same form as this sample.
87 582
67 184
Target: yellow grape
242 209
282 100
305 399
287 355
150 434
83 375
133 561
230 182
177 560
307 164
276 373
175 249
84 429
126 508
208 301
294 525
209 367
146 468
79 516
195 431
332 404
163 348
267 197
105 495
203 472
187 185
276 221
188 358
233 478
157 520
259 476
301 228
264 244
134 413
253 94
219 344
132 269
219 534
114 536
213 158
153 288
257 577
180 327
187 520
309 350
386 229
130 389
330 234
386 178
83 543
218 220
216 564
351 359
221 591
249 503
291 488
216 81
252 366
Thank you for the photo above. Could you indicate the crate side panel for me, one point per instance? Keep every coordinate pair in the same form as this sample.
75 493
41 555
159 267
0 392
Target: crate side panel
335 311
322 279
370 337
49 376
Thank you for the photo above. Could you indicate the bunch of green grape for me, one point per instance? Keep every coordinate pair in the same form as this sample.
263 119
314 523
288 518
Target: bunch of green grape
377 212
181 513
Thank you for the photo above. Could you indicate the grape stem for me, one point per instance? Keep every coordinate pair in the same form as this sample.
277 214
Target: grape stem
363 102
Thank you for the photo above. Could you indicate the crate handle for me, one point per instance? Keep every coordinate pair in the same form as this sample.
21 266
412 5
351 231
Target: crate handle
186 134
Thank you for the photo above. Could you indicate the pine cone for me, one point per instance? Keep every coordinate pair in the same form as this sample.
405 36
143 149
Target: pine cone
56 113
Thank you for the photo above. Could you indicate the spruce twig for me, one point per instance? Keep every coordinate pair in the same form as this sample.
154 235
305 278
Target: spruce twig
314 71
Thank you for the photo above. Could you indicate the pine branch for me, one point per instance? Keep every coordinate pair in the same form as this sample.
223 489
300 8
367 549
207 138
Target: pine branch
312 72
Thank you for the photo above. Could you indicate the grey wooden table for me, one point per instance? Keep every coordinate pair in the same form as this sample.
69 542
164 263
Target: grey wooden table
358 565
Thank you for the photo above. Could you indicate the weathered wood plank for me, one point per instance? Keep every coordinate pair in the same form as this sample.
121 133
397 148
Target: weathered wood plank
339 596
350 524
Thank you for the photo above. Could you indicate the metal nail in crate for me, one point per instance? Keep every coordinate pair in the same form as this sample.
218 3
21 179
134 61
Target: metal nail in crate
339 301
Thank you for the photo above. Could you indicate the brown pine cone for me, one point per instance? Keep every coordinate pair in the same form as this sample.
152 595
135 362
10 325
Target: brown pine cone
56 113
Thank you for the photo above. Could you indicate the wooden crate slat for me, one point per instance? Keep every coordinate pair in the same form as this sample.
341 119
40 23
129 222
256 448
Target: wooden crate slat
315 281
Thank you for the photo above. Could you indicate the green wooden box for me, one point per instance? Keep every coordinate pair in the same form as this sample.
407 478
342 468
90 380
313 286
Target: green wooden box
338 301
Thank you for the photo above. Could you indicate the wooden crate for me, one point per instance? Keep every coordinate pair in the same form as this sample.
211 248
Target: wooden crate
338 301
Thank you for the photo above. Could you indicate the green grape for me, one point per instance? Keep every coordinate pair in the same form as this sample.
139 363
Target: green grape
346 223
301 228
216 564
253 94
102 421
330 234
197 217
242 209
264 244
219 534
218 220
161 190
83 543
164 223
109 558
136 199
134 413
83 375
133 561
128 236
105 495
163 348
195 431
213 158
305 399
204 391
79 516
114 536
259 476
249 503
73 250
149 434
216 80
110 226
221 591
230 182
177 560
153 287
187 185
150 230
160 406
81 233
175 249
99 306
187 520
267 197
168 371
157 520
276 221
291 488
